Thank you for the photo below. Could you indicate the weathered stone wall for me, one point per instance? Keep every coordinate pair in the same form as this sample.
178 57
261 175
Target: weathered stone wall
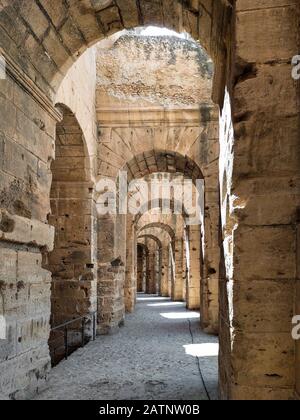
154 71
28 132
194 272
141 260
261 172
27 135
73 260
78 93
46 38
259 179
152 244
130 279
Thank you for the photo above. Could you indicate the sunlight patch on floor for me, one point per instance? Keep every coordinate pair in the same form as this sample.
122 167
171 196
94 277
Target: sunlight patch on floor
166 304
181 315
202 350
145 299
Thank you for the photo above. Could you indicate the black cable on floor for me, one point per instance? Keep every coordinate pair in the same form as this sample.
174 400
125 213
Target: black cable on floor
199 364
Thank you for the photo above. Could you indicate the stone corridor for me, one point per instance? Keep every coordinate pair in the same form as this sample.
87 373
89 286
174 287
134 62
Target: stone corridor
149 146
154 357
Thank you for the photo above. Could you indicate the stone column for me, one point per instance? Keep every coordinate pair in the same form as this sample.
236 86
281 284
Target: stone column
130 277
297 312
184 270
151 277
140 268
158 270
178 281
171 277
260 195
194 277
111 272
27 142
165 271
211 261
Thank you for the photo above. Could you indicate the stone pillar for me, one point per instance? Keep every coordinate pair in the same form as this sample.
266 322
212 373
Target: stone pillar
194 277
140 268
151 285
178 280
158 270
260 195
27 141
130 277
73 262
165 271
111 314
210 272
145 268
171 277
184 270
297 309
111 272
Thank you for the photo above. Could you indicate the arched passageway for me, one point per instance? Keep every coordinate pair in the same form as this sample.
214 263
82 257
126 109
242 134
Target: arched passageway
249 160
72 261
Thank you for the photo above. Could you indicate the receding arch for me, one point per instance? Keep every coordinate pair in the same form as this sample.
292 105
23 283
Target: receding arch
162 161
154 261
162 226
167 237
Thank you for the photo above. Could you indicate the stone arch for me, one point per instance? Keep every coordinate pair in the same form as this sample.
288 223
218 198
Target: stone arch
162 226
60 34
120 227
72 261
154 266
71 143
187 244
34 44
153 237
148 207
162 161
167 237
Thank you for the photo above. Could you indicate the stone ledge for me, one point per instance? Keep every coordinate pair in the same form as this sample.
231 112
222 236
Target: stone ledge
17 229
20 77
109 117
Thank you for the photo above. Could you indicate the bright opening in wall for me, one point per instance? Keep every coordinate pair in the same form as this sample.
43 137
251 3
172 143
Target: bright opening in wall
156 31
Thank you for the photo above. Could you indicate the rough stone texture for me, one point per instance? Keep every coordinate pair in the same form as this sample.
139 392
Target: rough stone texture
251 44
45 39
169 80
259 241
72 263
121 367
27 146
141 268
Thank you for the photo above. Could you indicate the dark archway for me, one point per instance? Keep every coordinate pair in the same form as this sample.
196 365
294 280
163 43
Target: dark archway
72 262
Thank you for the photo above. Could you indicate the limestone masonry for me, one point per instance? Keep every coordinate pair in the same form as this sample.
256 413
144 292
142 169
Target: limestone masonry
168 91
